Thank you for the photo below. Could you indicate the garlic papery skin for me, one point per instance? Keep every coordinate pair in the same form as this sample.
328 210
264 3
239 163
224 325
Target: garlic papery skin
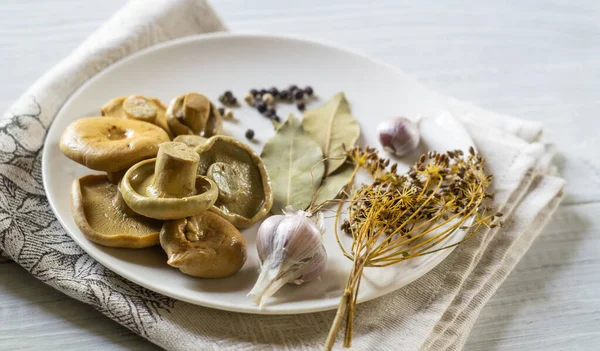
399 136
291 251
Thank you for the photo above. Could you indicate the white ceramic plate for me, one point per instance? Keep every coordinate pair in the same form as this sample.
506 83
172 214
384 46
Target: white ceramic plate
212 64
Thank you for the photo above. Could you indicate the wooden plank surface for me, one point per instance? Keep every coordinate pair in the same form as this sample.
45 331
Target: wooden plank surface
532 59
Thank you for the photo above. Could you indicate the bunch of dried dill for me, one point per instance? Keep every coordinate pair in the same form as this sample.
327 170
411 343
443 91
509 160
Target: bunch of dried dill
398 217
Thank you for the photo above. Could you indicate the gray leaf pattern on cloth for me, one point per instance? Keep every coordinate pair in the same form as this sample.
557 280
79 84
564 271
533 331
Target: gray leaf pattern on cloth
32 236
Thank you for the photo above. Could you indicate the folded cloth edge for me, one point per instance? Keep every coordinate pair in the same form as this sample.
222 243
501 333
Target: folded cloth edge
466 319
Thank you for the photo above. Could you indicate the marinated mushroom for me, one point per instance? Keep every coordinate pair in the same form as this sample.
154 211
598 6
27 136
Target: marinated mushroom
168 187
245 193
193 113
138 107
204 245
100 213
111 144
190 140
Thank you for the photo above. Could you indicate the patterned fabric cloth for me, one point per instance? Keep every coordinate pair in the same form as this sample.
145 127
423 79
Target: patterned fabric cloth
435 312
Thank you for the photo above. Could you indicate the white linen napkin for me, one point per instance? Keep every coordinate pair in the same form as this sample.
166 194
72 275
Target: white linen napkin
435 312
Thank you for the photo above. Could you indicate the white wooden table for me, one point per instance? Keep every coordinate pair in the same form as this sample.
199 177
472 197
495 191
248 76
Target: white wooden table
531 59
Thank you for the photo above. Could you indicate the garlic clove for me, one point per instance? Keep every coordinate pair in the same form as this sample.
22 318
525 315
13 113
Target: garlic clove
268 283
275 273
399 136
315 270
264 239
291 251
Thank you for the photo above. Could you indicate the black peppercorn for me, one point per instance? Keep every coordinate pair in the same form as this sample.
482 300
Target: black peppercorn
270 112
273 91
308 90
262 91
293 87
250 134
228 99
276 118
300 104
291 94
261 107
284 95
221 111
298 94
253 92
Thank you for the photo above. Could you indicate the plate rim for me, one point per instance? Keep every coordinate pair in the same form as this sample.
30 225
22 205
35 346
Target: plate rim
317 307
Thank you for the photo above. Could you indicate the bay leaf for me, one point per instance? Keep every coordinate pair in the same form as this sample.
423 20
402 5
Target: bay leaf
333 184
333 127
294 162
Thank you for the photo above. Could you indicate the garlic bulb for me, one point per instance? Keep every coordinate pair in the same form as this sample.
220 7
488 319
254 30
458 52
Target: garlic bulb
291 251
398 136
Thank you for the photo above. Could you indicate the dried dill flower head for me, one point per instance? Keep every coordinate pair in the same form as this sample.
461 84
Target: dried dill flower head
398 217
416 211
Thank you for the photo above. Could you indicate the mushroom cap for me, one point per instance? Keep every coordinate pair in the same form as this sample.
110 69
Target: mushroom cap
193 114
114 108
104 220
190 140
161 117
110 144
137 191
204 245
137 107
245 192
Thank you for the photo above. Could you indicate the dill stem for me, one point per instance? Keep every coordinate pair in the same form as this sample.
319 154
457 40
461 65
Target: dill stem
352 306
337 321
347 306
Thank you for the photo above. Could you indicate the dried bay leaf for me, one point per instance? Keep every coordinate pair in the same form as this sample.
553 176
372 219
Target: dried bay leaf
333 184
294 163
333 127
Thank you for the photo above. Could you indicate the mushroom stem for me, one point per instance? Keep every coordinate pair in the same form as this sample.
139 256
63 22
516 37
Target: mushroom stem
175 170
115 177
